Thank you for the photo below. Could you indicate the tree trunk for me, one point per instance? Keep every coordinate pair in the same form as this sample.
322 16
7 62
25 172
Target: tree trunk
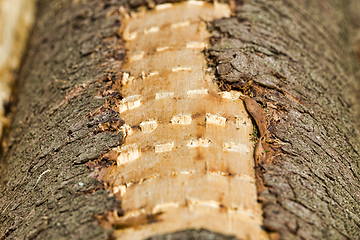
292 62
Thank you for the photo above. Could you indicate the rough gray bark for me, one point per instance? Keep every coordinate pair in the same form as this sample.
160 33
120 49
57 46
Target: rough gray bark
71 57
293 57
299 53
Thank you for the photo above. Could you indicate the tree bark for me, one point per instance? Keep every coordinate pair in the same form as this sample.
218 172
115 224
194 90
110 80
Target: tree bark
294 58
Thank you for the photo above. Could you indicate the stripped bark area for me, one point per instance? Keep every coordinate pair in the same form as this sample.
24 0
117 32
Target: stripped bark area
187 159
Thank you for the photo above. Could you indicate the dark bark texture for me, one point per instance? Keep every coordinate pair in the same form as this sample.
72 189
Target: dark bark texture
297 55
293 57
74 52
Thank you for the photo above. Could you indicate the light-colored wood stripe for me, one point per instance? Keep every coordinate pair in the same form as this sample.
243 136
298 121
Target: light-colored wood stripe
194 139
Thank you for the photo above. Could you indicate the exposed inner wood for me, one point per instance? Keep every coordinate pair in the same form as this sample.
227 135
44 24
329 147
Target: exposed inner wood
187 159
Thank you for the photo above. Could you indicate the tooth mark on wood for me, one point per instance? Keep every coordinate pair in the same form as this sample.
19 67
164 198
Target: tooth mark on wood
215 119
199 143
198 3
164 95
240 176
126 130
200 45
128 153
151 74
178 69
197 92
121 189
207 203
181 119
129 103
152 29
146 179
230 95
137 56
241 122
182 172
126 79
161 49
163 6
149 126
236 147
166 147
127 35
165 206
180 24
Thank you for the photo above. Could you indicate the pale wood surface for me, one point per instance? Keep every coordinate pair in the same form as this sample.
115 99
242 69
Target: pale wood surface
187 152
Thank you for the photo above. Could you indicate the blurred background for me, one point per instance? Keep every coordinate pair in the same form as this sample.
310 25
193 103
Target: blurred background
16 20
